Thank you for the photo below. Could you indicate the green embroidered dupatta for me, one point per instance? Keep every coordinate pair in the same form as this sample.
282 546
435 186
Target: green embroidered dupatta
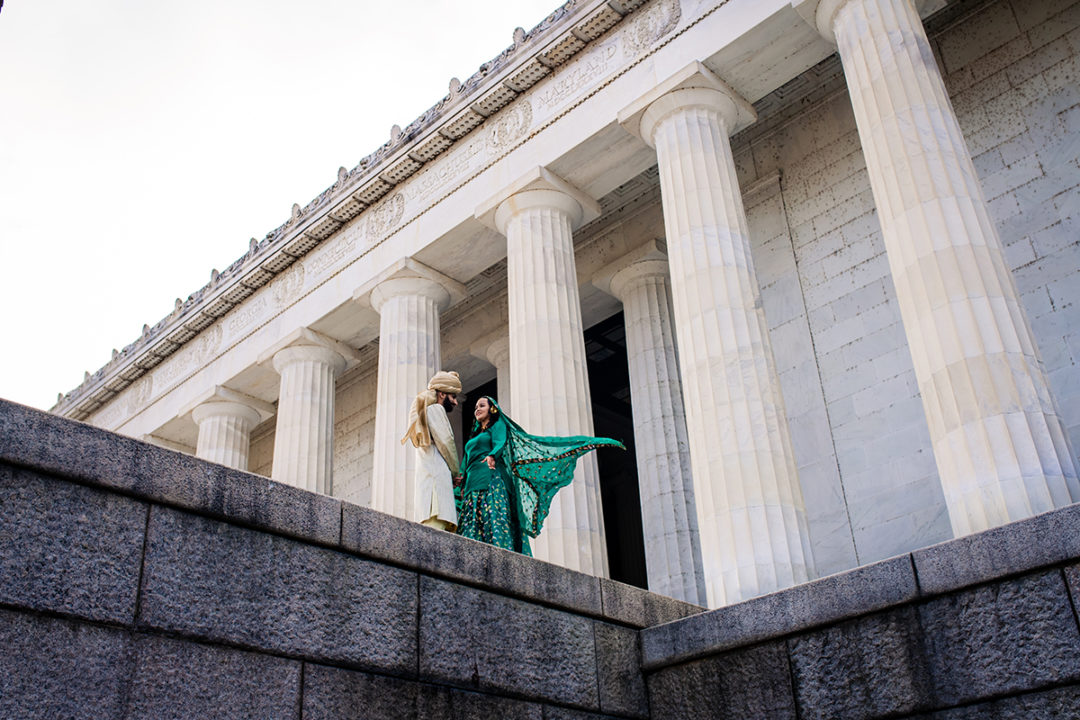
541 466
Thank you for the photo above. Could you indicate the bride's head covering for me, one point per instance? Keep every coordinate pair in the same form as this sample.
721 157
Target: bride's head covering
418 432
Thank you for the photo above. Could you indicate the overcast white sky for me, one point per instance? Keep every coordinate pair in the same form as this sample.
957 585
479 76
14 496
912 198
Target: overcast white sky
143 142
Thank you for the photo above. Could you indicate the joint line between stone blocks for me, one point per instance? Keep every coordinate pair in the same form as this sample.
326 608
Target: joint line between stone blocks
142 568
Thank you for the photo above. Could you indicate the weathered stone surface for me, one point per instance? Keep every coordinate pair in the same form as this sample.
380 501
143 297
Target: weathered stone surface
554 712
618 671
751 683
1009 637
177 679
440 703
641 608
221 582
1072 578
336 694
869 667
69 548
1060 704
1045 539
836 597
480 640
59 669
384 537
76 450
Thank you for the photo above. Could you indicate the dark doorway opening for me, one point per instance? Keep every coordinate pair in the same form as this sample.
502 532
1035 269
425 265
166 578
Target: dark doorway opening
609 384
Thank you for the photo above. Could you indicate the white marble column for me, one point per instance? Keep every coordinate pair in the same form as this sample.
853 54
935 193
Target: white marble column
749 504
495 348
225 432
1000 445
304 436
668 515
409 354
550 392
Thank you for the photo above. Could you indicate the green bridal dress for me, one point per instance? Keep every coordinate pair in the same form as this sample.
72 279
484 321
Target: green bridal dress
506 506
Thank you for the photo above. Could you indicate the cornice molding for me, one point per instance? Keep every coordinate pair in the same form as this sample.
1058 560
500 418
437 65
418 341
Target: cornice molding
533 55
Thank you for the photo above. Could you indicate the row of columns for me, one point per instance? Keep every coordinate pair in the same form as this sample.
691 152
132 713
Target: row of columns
723 514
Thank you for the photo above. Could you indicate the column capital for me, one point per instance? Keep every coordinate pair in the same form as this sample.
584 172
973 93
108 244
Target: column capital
224 408
410 277
645 260
306 343
493 347
821 13
538 188
693 86
219 394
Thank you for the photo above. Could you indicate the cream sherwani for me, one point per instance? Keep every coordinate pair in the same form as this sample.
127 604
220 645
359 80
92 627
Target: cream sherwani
436 465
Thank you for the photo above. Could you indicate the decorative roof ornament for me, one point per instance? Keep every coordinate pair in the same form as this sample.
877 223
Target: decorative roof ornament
519 36
295 211
455 88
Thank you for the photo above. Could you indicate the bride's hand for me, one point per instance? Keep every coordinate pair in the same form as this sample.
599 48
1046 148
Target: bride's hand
490 462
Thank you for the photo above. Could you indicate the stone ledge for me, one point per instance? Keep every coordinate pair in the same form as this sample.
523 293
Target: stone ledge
830 599
93 457
1040 541
383 537
67 448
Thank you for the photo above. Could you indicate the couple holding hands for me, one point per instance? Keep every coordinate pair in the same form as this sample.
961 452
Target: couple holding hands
501 490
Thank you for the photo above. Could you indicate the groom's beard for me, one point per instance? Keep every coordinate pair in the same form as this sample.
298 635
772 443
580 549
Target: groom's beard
447 405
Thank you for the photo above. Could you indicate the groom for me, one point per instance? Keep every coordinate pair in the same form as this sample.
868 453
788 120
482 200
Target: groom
437 463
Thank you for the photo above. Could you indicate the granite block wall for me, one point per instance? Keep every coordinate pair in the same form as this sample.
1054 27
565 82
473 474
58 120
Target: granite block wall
136 582
984 626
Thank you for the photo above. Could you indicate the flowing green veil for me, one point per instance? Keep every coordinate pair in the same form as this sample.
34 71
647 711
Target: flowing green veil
541 466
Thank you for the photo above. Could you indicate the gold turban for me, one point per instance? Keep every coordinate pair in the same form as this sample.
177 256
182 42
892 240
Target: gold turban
418 432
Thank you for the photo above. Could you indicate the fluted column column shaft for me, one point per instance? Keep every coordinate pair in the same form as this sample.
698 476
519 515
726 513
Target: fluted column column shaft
409 354
498 354
225 432
668 513
304 436
550 393
1000 445
750 510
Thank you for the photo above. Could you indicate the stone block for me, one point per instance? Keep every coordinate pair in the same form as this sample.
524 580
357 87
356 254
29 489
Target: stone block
837 597
67 548
482 641
1008 637
337 694
177 679
864 668
618 671
1060 704
1046 539
72 449
53 668
409 544
555 712
211 580
751 683
631 605
440 703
